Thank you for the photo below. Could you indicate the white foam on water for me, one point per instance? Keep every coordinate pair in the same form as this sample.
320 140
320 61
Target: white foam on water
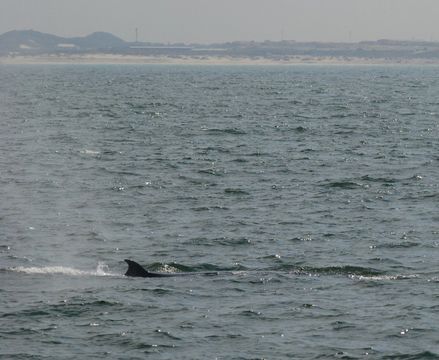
101 270
383 277
89 152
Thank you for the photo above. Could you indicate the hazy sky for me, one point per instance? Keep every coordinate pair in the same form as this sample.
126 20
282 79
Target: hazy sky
225 20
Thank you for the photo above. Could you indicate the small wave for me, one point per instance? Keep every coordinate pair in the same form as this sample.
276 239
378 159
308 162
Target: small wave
250 313
232 241
101 270
232 131
211 171
300 129
167 334
4 248
353 272
401 245
348 185
425 355
235 191
200 208
386 180
237 116
240 160
348 270
217 148
420 197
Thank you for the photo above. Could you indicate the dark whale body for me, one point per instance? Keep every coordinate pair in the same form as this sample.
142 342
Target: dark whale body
136 270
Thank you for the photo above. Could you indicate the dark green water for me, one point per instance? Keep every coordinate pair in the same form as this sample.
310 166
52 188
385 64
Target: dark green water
313 191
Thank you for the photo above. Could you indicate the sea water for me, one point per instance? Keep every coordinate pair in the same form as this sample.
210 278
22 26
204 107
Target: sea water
313 191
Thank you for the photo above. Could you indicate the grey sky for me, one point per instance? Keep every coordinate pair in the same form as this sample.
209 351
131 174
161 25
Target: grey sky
226 20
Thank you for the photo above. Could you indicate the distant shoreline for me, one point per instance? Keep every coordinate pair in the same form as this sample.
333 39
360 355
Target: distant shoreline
203 60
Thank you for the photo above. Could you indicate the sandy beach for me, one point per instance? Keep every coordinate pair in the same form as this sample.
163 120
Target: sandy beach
203 60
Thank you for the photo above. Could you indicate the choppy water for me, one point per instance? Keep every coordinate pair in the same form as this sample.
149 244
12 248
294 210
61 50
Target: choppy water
314 188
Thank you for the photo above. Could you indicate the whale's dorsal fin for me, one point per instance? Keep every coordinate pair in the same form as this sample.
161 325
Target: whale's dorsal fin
134 269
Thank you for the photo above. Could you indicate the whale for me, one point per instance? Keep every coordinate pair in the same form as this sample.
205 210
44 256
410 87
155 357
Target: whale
137 270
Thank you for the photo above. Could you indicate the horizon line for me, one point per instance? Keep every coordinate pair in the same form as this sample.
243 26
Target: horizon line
231 41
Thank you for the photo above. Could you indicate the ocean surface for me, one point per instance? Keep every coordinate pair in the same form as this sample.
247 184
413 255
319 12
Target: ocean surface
313 191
